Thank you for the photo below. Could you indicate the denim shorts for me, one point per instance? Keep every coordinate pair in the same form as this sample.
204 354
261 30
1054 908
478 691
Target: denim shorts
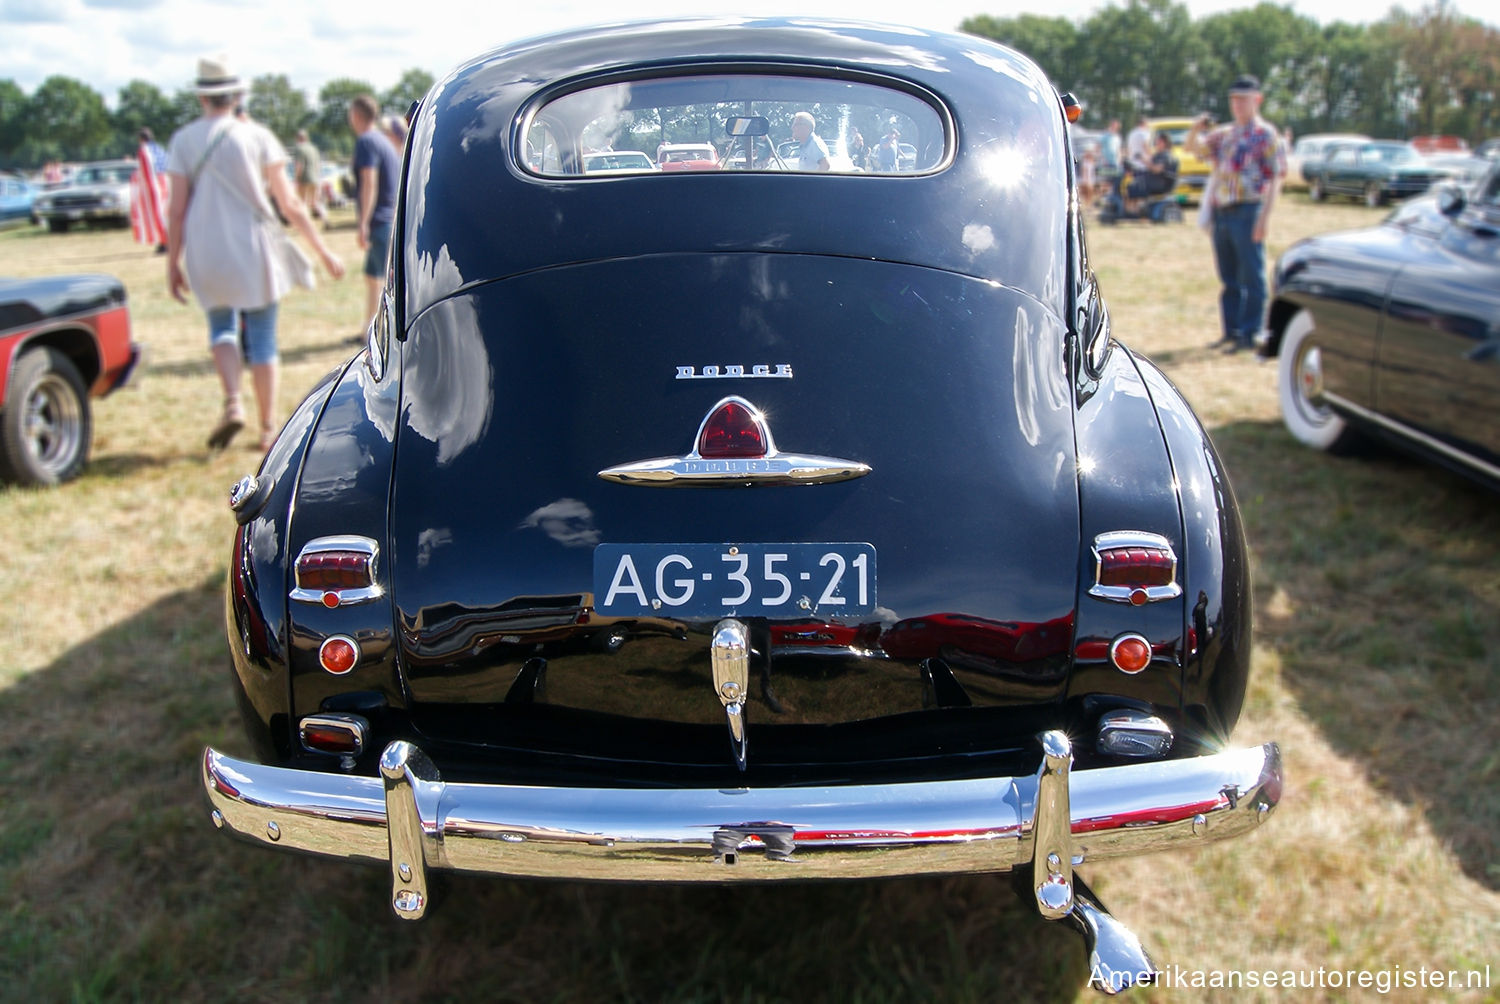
260 331
380 246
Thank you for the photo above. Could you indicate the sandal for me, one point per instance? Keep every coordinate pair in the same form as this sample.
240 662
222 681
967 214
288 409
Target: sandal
267 437
229 426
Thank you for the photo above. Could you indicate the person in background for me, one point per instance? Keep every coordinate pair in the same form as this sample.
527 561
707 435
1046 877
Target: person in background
1109 148
858 152
376 170
888 153
219 244
394 128
148 193
1248 162
1138 146
307 167
812 152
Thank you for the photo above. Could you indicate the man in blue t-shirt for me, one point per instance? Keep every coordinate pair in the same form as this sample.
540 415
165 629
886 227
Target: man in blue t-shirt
377 166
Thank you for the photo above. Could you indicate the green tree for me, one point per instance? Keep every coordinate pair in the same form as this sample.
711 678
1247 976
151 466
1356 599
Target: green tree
413 86
278 106
1276 44
1143 58
141 105
1053 42
13 105
72 115
330 127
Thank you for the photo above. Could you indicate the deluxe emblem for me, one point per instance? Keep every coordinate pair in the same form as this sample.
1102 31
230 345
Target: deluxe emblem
760 371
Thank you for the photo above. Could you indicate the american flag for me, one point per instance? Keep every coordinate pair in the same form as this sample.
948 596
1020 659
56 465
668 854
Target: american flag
148 200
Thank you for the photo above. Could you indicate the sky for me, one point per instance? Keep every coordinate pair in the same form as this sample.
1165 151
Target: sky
108 43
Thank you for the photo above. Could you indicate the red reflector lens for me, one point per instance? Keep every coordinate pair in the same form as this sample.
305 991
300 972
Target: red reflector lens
1135 567
338 655
332 570
732 431
1130 653
330 739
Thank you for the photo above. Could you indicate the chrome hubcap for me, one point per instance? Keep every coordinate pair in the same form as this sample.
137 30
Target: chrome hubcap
52 426
1310 384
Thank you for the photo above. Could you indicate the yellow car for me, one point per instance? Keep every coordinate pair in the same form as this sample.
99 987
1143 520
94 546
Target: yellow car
1192 172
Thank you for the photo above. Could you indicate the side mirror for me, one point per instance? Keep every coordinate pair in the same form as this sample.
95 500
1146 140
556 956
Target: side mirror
1451 199
747 125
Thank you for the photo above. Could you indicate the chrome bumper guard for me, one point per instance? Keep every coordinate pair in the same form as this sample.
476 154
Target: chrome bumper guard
1053 821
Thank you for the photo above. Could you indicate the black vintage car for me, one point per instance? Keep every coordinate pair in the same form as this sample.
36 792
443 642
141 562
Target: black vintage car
1394 331
581 569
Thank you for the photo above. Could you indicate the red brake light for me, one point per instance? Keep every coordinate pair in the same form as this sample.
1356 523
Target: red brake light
1136 567
322 571
734 430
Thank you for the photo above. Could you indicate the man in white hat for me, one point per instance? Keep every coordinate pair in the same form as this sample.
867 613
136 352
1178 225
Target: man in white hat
223 240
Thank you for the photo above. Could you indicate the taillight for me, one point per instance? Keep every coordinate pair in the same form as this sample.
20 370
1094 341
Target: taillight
735 429
1130 653
334 733
1132 566
339 654
336 570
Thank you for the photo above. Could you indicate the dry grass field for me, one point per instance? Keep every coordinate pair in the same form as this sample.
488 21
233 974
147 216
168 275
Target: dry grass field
1376 666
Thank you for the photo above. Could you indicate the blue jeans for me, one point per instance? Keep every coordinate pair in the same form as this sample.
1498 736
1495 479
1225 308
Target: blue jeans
1242 270
260 331
378 251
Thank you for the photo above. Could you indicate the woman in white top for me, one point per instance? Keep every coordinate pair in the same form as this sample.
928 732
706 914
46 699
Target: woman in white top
219 232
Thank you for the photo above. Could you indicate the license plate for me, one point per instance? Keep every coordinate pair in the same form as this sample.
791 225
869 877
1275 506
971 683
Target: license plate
744 580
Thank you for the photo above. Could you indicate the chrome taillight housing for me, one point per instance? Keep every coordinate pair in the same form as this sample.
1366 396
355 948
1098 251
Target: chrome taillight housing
336 570
1135 567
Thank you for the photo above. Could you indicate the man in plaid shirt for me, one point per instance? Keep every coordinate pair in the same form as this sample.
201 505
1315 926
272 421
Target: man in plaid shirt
1249 161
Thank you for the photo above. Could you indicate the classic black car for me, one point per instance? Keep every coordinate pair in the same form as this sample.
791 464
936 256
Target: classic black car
63 339
1375 172
772 414
1395 331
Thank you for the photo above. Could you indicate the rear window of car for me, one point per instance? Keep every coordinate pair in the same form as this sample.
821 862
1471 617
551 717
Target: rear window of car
760 122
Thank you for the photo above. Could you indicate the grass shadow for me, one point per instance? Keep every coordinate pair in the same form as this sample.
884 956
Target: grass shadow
288 356
1376 582
117 886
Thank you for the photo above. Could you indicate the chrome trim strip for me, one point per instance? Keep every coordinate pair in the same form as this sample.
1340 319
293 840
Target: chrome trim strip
1132 538
775 468
680 834
339 542
1407 432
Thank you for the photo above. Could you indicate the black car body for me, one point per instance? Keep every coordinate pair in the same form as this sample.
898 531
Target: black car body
1376 172
636 470
1395 331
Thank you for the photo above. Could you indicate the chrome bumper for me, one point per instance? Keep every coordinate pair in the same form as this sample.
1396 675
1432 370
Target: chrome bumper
411 818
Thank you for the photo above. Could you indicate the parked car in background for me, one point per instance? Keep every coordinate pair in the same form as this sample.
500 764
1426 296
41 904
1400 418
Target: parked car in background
17 196
63 339
679 402
1440 144
1192 170
1489 149
1375 172
687 157
1306 158
1394 332
98 192
1462 168
617 162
